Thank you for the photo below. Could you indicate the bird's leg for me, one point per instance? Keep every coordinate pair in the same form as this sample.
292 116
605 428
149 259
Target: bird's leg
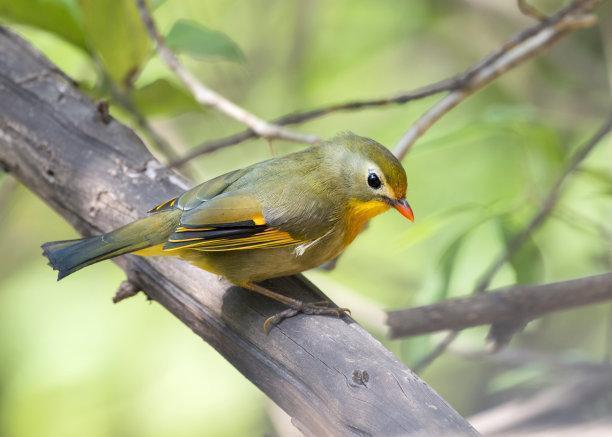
295 306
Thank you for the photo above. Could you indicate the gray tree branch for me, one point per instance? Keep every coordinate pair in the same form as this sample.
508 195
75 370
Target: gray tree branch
506 304
100 176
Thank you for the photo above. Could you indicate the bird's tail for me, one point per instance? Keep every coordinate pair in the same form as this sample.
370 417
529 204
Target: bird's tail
71 255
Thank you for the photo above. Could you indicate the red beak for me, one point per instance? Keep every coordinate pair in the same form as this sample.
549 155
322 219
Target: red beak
404 209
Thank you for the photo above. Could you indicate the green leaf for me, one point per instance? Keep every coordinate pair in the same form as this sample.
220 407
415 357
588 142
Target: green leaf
55 16
527 261
163 97
118 36
198 41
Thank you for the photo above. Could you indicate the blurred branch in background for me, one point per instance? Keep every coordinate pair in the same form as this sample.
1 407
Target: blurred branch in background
523 46
302 117
524 303
554 411
207 97
501 334
554 363
513 52
565 395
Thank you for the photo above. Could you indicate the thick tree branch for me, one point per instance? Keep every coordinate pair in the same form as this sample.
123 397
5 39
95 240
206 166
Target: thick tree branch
207 97
506 304
91 172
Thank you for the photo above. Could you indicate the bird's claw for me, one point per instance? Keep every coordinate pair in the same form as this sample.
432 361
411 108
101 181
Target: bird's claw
321 308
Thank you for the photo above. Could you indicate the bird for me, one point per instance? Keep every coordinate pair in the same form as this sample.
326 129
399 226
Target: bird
275 218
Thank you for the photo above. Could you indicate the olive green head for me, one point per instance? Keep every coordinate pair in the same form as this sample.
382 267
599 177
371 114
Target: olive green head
370 171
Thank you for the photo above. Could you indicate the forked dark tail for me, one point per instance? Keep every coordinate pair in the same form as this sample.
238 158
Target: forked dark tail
71 255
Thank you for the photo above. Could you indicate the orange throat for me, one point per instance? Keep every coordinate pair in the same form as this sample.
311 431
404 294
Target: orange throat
358 213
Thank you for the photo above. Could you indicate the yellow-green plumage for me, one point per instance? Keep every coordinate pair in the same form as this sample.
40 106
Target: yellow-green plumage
275 218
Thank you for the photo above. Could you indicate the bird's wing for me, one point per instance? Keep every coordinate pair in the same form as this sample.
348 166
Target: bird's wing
201 193
233 221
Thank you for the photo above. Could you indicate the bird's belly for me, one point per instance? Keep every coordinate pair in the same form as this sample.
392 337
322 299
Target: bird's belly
242 266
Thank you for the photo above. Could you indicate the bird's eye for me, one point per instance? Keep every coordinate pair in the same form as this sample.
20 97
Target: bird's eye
374 181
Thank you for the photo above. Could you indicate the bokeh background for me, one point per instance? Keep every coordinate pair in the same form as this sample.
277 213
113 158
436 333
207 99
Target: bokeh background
74 364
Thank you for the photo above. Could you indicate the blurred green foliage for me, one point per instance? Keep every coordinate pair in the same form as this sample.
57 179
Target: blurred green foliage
189 37
72 364
163 98
115 36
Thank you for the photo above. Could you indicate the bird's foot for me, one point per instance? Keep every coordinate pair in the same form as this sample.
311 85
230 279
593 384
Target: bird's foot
320 308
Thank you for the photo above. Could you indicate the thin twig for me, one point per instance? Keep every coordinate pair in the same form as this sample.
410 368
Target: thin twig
519 239
515 51
125 290
208 97
305 116
457 84
440 348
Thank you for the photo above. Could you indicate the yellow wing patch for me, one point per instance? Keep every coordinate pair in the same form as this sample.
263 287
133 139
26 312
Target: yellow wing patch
227 223
268 239
245 235
168 204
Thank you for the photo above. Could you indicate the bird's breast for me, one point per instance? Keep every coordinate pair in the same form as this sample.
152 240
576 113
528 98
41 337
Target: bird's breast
357 215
